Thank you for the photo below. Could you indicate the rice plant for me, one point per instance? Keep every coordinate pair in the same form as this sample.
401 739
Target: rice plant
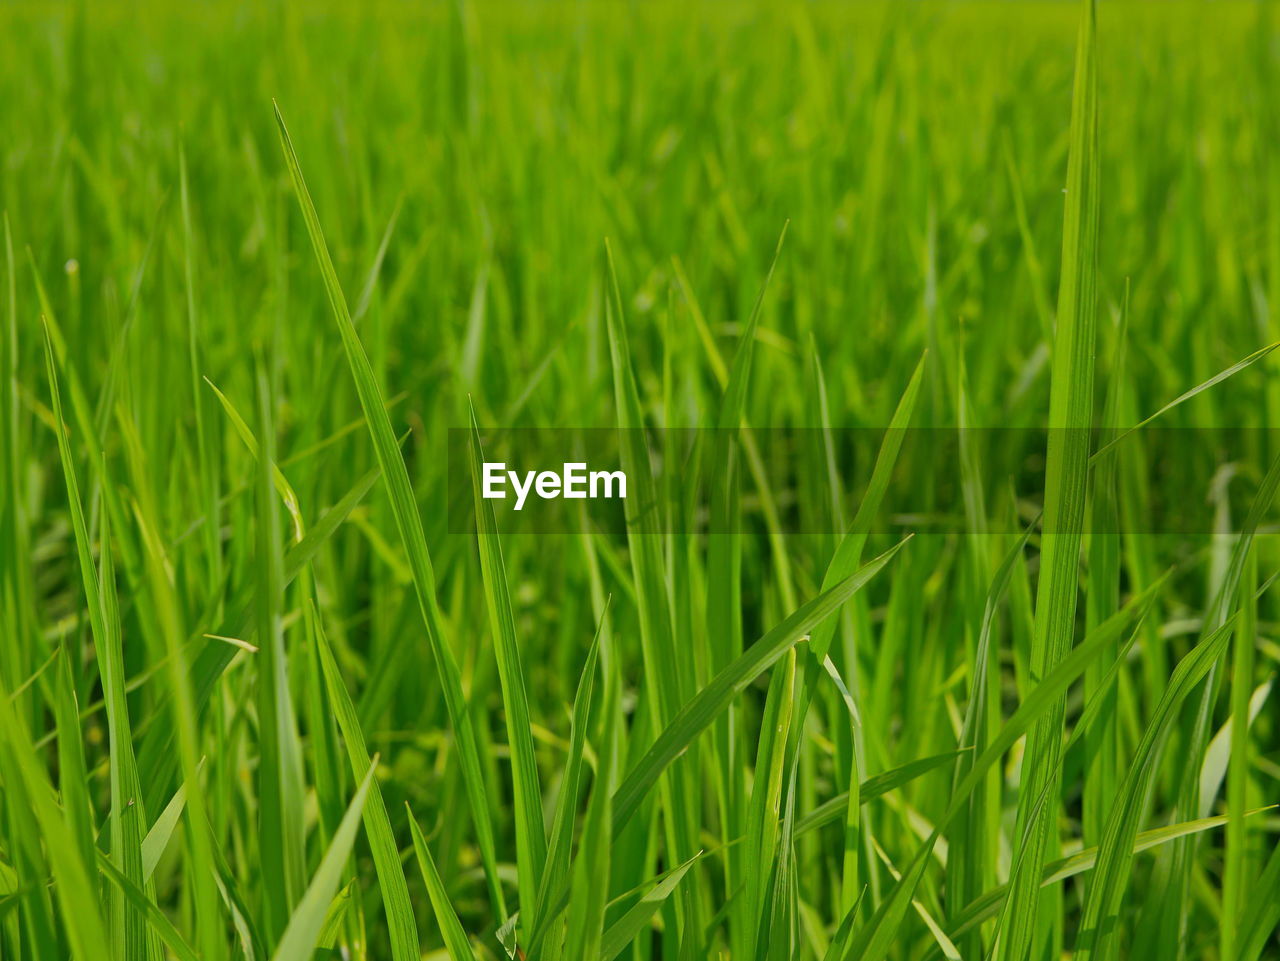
925 353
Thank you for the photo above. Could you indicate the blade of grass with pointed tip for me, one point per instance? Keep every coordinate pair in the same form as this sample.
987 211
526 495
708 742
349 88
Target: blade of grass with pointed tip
307 921
1066 474
127 818
1182 398
401 926
283 488
589 888
455 938
156 760
409 523
556 875
531 841
624 931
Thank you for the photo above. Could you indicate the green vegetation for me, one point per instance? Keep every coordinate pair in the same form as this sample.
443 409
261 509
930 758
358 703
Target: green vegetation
262 698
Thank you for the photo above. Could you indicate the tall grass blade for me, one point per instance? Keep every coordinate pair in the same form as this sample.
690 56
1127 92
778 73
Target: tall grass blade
1066 473
408 522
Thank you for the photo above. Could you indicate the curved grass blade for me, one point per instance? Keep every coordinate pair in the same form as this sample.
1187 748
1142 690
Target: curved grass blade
282 485
1182 398
873 787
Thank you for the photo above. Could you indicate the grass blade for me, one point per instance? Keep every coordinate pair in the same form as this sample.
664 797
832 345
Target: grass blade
409 523
401 926
307 921
455 938
531 841
1066 473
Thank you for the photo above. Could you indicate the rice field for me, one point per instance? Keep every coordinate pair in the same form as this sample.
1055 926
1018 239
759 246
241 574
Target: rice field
934 343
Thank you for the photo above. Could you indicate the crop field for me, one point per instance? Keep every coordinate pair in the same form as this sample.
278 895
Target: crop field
933 343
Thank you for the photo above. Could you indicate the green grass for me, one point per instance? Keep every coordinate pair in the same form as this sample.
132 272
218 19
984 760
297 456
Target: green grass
262 695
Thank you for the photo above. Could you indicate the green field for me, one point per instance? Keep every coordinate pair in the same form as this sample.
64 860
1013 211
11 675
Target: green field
269 691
